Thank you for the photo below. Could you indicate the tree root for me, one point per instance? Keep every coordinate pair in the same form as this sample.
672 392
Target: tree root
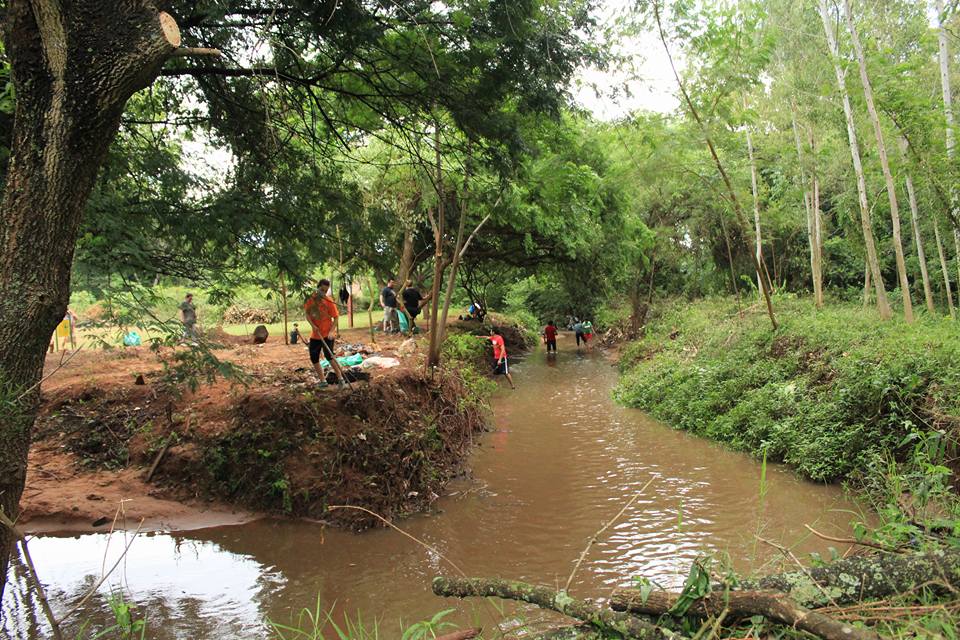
601 618
777 607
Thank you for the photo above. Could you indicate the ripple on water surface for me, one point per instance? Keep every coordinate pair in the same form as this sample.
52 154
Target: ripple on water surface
561 460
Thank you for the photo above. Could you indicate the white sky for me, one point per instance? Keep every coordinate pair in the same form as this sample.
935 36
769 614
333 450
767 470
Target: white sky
648 86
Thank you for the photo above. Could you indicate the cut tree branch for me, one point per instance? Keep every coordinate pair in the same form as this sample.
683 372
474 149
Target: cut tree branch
602 618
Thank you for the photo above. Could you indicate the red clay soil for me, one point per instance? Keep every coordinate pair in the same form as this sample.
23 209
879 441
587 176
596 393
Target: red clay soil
278 444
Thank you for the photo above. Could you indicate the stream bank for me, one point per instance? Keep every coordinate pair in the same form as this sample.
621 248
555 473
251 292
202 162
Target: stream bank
836 393
228 452
561 459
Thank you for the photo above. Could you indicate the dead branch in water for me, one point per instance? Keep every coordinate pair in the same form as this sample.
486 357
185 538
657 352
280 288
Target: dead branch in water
625 624
777 607
593 538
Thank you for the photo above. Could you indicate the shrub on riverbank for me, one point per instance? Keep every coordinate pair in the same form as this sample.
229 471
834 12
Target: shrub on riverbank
836 393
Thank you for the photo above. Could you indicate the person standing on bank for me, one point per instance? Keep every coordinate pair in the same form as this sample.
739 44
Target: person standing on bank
188 315
500 364
322 313
550 337
388 300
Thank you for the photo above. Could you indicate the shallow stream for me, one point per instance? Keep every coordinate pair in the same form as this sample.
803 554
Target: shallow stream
562 460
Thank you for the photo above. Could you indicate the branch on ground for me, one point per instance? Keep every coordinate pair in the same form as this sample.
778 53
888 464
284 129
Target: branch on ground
625 624
775 606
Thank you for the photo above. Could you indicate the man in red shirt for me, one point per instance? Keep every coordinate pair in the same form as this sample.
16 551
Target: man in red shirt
500 365
322 313
550 337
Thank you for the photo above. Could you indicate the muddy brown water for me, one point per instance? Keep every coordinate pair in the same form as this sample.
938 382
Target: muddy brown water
562 460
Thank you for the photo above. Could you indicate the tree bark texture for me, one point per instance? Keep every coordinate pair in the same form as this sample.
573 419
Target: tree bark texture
776 607
884 165
866 224
74 66
599 617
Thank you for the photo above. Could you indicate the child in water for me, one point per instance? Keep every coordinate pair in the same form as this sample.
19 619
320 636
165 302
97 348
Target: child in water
550 337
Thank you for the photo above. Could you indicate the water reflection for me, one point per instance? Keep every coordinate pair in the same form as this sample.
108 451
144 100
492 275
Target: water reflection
562 460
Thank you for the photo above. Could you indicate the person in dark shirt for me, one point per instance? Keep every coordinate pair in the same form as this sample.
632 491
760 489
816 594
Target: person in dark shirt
388 300
412 300
550 337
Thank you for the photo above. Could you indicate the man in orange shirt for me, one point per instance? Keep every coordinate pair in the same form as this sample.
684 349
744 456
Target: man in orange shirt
322 314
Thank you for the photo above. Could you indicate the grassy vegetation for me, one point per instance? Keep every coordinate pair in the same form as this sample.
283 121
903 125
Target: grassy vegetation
835 393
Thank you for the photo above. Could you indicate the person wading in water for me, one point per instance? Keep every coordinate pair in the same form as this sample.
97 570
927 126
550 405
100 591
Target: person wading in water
500 364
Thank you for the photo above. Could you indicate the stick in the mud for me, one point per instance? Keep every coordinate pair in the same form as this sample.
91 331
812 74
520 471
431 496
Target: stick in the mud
777 607
625 624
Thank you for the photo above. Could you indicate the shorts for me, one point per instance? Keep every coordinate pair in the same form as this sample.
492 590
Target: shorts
551 345
317 350
501 368
587 336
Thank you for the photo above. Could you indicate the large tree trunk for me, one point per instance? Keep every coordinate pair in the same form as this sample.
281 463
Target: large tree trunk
866 224
884 165
74 65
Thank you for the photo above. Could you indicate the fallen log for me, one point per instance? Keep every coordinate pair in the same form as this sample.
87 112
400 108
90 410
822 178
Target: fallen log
777 607
625 624
858 578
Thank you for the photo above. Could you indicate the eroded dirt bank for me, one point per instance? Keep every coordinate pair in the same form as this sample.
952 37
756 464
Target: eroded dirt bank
276 445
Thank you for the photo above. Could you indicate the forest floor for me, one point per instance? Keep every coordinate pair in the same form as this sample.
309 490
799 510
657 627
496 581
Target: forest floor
273 443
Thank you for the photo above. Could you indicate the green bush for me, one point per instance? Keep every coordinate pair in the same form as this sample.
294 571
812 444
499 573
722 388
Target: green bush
832 392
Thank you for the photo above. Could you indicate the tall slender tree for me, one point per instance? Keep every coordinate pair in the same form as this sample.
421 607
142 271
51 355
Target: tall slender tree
917 235
873 264
884 163
944 58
